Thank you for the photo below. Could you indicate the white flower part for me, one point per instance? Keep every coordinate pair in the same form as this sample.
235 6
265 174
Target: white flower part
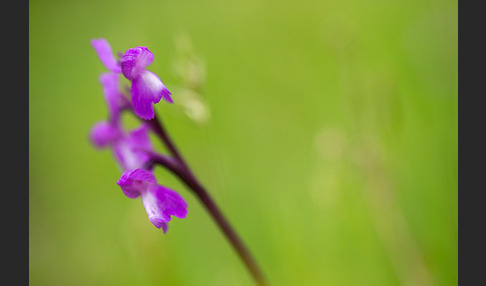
152 82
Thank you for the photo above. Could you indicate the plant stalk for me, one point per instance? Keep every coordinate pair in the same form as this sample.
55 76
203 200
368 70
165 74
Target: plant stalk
177 165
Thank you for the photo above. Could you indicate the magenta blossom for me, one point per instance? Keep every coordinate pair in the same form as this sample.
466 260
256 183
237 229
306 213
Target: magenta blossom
159 202
128 149
147 88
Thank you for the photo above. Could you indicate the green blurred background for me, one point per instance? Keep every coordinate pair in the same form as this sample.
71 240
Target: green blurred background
325 130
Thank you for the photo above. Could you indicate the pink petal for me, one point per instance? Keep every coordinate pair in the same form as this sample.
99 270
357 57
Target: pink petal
129 150
113 96
148 89
104 133
135 60
161 202
164 226
135 182
103 50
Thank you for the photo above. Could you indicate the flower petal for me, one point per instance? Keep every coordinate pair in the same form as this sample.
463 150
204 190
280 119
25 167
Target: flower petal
136 181
113 96
161 202
103 50
164 227
139 138
129 150
135 60
104 133
146 89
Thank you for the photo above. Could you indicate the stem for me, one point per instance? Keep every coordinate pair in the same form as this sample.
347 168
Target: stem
159 129
179 167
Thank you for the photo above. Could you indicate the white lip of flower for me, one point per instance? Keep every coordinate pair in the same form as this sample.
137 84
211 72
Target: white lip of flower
152 81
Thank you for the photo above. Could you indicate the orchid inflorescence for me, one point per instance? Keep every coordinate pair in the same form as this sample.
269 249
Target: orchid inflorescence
130 148
133 150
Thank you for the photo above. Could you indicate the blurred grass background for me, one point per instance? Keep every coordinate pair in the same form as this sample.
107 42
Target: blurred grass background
329 141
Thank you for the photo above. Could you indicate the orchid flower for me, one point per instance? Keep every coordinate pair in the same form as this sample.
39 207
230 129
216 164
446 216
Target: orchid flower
128 149
159 202
146 88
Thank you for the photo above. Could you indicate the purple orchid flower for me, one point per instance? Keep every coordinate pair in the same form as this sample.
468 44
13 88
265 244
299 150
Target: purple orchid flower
159 202
128 149
147 88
